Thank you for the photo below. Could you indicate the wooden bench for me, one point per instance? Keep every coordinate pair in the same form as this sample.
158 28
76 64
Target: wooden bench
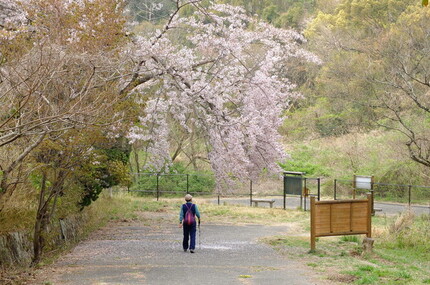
256 201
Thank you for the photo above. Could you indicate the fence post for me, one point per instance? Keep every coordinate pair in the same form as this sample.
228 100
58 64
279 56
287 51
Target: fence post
158 190
335 190
301 195
250 193
354 185
319 189
312 223
304 193
369 214
285 194
187 183
409 195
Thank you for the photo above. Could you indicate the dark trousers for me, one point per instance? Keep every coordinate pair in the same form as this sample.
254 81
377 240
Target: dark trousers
189 233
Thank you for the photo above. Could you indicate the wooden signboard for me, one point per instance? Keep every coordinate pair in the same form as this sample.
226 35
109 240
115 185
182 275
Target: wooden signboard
340 217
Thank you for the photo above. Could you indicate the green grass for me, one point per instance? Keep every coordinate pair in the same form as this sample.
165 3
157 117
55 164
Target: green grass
352 238
246 214
400 256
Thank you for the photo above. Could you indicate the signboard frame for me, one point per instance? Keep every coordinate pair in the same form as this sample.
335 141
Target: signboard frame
340 217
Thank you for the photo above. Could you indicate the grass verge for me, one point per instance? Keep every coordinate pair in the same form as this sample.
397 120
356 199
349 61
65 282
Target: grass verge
401 253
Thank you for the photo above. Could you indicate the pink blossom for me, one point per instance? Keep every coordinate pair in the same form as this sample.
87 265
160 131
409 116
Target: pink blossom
227 80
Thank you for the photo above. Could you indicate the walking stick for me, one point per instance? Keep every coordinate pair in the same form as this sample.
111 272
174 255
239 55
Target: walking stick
200 238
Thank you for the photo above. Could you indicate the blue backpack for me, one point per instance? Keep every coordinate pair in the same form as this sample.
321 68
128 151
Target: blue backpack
189 217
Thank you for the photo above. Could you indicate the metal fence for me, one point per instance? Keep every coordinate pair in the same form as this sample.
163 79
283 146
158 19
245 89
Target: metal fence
160 184
400 193
271 188
275 188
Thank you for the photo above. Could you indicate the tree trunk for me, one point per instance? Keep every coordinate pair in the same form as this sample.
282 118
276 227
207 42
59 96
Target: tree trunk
38 240
44 213
136 159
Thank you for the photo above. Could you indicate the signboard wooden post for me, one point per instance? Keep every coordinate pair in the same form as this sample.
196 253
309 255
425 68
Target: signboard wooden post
340 217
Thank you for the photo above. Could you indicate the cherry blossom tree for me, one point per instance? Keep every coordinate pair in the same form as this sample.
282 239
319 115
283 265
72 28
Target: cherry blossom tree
225 78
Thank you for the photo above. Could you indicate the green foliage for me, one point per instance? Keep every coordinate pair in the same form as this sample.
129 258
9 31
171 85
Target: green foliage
118 173
291 18
408 232
36 181
107 168
119 153
371 274
367 274
331 125
90 178
350 238
302 161
281 13
343 98
179 179
270 13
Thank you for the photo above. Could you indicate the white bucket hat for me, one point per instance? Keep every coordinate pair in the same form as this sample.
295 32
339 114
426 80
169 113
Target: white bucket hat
188 197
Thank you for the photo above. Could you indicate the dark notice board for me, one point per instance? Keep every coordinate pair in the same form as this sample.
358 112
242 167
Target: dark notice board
293 185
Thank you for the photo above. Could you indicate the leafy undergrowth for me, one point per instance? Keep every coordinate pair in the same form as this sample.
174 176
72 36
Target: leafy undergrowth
401 253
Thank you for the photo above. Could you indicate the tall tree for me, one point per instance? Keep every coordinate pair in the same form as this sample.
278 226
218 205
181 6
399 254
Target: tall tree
57 74
403 81
376 67
225 78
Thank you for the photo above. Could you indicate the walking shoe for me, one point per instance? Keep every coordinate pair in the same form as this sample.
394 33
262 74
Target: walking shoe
185 250
192 250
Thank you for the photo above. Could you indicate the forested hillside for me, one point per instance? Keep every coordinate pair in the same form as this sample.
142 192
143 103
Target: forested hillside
370 96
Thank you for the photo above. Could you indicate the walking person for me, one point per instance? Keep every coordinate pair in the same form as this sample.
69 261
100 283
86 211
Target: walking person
187 219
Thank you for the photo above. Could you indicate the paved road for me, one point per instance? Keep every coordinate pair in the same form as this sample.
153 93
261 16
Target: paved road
132 253
294 203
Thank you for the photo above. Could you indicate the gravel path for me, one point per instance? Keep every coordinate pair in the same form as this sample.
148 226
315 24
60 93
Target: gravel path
132 253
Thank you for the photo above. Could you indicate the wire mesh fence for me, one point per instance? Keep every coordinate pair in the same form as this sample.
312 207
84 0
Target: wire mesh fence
159 184
384 192
270 191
